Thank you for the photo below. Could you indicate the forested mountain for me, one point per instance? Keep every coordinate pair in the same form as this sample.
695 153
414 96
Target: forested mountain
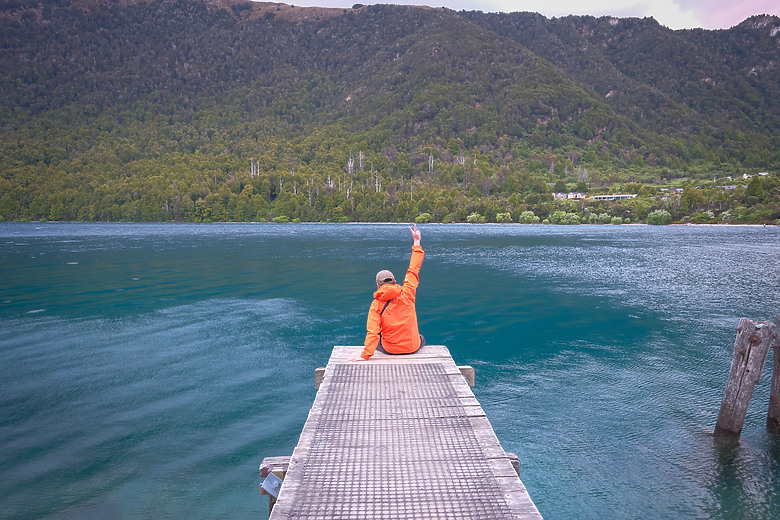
231 110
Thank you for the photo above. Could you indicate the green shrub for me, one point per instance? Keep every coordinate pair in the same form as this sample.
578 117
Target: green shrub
504 217
659 217
557 217
423 218
603 218
616 220
563 218
475 218
281 219
762 214
528 217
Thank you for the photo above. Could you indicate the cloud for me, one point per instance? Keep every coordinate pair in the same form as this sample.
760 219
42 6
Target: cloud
675 14
722 14
667 12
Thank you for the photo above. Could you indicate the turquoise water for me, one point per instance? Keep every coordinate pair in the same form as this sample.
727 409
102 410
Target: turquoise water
147 369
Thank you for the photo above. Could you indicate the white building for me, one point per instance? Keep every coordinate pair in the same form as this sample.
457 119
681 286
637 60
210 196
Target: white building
614 197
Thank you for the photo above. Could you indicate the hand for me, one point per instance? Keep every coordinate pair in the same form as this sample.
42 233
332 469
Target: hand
415 235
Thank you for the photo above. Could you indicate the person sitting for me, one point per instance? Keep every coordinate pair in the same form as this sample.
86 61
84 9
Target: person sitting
392 318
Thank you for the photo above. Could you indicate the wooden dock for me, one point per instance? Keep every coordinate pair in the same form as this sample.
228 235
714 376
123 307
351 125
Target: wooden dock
399 437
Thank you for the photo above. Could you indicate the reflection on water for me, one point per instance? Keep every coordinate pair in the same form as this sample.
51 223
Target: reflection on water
744 479
147 369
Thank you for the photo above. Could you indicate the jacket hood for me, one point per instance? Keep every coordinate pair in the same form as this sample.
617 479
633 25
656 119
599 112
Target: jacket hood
388 292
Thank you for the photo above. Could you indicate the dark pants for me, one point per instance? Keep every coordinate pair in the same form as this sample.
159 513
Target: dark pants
381 349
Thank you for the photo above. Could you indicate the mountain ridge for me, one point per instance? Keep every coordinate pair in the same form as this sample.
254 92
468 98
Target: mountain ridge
112 93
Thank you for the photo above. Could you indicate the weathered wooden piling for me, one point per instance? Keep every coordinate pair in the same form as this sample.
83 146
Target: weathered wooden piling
773 415
750 352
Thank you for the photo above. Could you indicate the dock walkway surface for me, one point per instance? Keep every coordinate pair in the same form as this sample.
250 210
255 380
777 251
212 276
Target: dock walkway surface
399 437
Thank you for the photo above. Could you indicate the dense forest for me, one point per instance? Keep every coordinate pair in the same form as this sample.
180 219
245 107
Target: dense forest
229 110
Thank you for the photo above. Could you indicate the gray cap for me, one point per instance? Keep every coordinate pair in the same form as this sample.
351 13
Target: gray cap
384 276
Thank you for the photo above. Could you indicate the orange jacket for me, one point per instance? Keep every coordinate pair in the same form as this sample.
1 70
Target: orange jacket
398 322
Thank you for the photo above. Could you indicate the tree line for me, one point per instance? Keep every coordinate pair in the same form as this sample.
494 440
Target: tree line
235 111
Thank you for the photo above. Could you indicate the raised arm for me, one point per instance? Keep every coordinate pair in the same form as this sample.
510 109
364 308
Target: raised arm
415 235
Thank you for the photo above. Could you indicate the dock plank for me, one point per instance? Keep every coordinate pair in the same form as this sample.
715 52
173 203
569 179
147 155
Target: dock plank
399 437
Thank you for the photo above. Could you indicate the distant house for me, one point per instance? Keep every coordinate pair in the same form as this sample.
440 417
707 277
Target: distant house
569 196
614 197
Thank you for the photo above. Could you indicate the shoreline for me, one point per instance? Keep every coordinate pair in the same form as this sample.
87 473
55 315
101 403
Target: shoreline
38 222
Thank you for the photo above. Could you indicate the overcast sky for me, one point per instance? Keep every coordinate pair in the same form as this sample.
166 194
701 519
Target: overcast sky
675 14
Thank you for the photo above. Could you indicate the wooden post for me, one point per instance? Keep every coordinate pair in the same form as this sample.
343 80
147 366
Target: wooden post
278 466
467 371
319 375
750 351
515 460
773 416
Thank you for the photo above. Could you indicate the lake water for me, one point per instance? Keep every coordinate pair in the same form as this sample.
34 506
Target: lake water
147 369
